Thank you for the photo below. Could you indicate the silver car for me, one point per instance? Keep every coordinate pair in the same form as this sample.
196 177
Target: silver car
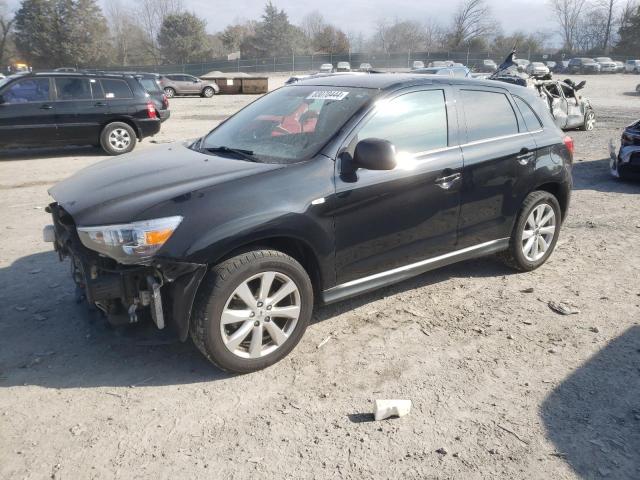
606 65
181 84
537 69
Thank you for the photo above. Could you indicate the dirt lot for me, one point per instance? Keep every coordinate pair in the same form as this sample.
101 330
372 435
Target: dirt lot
505 386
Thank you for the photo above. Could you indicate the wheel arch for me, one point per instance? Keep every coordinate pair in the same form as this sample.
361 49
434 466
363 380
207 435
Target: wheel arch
128 121
295 247
560 191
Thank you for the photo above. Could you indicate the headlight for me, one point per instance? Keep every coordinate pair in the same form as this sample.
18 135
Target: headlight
131 243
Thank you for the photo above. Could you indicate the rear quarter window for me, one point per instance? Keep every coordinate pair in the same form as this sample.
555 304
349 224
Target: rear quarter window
531 120
488 114
116 88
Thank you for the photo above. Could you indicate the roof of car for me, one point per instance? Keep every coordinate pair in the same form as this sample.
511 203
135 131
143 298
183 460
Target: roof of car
53 73
392 81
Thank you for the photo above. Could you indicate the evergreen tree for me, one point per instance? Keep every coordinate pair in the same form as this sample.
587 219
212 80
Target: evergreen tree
630 35
183 38
54 33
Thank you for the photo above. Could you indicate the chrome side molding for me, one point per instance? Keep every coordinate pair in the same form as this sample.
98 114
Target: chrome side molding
373 282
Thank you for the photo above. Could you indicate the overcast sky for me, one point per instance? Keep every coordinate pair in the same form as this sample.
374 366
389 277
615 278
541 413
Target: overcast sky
361 15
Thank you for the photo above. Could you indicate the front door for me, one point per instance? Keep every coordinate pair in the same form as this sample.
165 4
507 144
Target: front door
498 153
27 114
189 84
389 219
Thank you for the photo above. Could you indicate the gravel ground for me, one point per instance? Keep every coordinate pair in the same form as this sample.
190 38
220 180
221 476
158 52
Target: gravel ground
502 386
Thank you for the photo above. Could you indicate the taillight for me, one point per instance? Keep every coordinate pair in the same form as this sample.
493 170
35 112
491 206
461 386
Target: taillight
568 142
151 110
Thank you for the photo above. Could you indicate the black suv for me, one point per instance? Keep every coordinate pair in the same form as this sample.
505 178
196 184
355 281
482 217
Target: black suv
57 108
316 192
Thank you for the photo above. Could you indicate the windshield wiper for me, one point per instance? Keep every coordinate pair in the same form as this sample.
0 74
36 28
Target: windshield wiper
246 154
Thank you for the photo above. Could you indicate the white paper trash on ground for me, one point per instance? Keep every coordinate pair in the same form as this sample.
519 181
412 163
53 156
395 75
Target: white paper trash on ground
391 408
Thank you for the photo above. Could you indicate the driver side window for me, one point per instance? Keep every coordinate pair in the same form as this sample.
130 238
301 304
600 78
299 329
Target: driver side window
27 90
414 122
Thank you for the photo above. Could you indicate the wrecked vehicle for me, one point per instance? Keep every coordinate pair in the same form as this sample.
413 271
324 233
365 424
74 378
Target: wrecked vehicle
625 163
569 109
316 192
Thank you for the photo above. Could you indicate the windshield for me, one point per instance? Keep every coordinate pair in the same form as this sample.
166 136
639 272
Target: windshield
290 124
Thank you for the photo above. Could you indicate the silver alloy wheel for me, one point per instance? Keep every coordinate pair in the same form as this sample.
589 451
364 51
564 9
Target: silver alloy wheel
208 92
538 232
119 139
260 315
590 121
169 92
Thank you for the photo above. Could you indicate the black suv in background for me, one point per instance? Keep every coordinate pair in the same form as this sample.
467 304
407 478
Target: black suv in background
57 108
151 83
316 192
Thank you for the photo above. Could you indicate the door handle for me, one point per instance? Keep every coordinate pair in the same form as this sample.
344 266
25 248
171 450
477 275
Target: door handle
46 106
100 104
446 182
525 156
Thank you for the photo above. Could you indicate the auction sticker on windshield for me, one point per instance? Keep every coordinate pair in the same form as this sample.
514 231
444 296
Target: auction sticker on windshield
327 95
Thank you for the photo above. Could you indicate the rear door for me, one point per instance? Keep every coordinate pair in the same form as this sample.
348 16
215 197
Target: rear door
27 115
80 110
498 154
119 97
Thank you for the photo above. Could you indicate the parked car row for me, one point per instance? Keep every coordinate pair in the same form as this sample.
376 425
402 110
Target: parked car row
344 67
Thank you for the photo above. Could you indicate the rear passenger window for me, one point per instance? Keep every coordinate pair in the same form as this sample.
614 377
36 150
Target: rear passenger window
414 122
488 114
114 88
70 88
530 118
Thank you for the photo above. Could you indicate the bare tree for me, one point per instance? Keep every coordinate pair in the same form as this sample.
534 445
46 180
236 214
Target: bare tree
6 23
151 15
567 13
471 21
608 6
313 24
434 35
628 10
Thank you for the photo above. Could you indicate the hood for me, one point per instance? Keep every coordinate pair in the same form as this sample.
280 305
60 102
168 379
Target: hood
118 189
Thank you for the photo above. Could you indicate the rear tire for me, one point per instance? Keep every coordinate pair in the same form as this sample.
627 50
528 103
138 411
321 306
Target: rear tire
208 92
535 233
118 138
170 92
239 321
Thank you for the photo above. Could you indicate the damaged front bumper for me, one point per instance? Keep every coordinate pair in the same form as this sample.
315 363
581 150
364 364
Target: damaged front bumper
624 162
163 290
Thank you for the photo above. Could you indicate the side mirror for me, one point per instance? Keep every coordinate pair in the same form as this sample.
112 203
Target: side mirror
374 154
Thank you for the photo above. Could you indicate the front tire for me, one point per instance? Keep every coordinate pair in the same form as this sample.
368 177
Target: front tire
535 233
252 310
208 92
118 138
589 121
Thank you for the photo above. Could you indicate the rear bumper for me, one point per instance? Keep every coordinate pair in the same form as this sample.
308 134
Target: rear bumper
148 127
164 115
164 291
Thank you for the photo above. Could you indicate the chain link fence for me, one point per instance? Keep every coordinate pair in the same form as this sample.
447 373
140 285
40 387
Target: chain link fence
307 63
